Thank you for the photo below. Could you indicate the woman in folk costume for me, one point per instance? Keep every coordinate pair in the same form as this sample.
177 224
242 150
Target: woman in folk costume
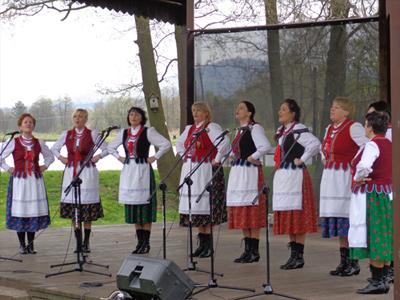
382 106
201 211
79 141
294 204
246 178
27 205
371 206
137 180
342 140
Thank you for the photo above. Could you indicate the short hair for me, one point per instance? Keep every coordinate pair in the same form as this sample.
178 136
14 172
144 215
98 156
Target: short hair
139 111
346 104
294 108
23 116
381 106
250 108
82 111
379 121
203 106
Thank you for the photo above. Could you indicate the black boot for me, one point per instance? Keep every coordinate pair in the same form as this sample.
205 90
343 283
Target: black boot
200 242
385 278
253 255
22 246
292 247
391 273
207 246
246 252
146 242
376 285
342 264
78 237
86 245
298 260
30 248
349 269
139 236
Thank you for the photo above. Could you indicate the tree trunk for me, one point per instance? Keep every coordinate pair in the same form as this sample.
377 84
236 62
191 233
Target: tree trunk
150 85
274 60
335 81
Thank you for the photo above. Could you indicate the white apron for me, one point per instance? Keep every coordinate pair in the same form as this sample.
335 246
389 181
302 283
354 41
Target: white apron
90 192
200 178
357 235
335 193
134 183
288 189
242 186
29 197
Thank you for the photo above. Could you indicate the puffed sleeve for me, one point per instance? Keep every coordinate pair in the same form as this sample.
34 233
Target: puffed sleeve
364 167
309 141
7 152
261 141
47 154
180 142
357 133
223 147
56 148
320 150
159 141
114 144
103 146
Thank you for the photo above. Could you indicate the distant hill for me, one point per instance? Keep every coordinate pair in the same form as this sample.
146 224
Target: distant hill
226 77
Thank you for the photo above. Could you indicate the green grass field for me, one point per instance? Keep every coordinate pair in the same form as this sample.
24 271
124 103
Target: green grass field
114 212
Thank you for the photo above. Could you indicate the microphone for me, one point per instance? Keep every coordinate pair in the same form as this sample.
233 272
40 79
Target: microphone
201 132
227 131
14 132
299 131
110 128
250 127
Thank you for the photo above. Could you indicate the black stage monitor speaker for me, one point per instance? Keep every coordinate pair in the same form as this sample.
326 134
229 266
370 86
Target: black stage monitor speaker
145 278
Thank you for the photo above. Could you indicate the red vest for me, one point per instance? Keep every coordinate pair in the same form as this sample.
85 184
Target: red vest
85 145
342 147
21 162
201 147
381 174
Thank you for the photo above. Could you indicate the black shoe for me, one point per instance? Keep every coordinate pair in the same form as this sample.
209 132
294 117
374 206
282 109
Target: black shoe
376 285
139 236
86 245
292 247
341 266
200 248
298 260
246 252
146 243
22 249
207 246
78 237
254 255
30 248
22 246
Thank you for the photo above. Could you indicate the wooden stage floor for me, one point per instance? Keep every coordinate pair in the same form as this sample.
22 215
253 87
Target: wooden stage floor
111 245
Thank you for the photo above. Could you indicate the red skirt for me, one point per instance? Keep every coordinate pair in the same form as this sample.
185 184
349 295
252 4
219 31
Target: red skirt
299 221
243 217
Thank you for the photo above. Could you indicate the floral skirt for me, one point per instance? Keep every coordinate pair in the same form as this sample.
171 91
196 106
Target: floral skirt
219 205
243 217
299 221
32 224
335 227
379 229
145 213
90 212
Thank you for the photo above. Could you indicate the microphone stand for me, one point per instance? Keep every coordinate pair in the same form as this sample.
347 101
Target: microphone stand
1 155
76 184
265 189
163 187
209 187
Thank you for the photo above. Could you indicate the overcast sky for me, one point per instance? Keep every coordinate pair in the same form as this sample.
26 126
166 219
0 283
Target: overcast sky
44 56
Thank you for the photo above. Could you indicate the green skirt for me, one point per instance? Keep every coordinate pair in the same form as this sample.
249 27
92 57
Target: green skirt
379 229
145 213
